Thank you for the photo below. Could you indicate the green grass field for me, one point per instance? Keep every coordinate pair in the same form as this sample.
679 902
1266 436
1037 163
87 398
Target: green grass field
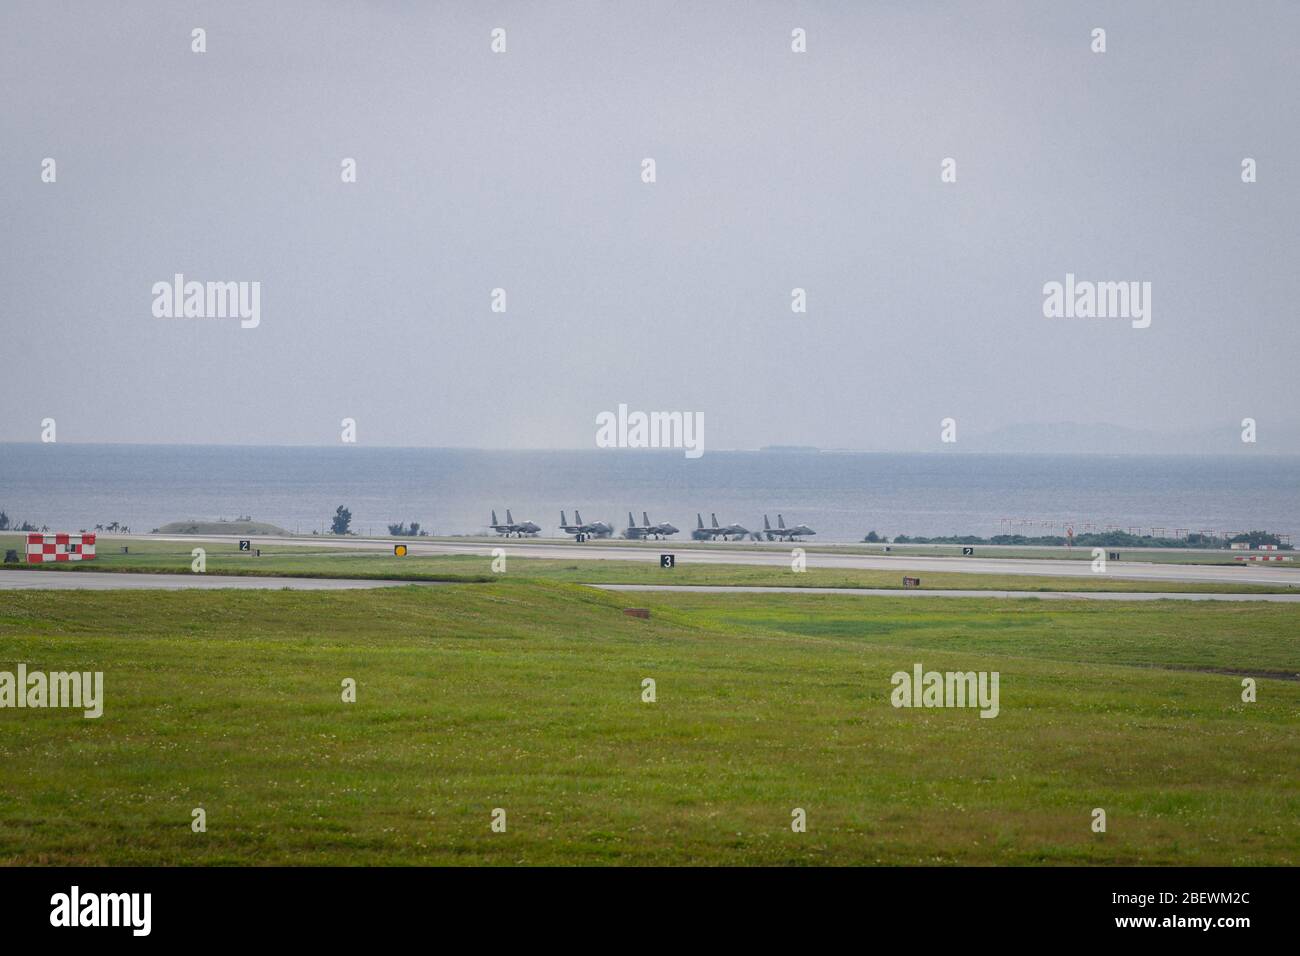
304 561
527 696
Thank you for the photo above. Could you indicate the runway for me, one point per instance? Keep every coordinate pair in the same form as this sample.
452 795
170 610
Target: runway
109 581
614 550
916 592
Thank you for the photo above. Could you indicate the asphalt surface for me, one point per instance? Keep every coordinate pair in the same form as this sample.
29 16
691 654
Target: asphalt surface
109 581
737 554
916 592
722 554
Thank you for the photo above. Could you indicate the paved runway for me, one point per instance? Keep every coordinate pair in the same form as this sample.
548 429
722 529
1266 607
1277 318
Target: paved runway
773 557
913 592
1042 567
720 554
110 581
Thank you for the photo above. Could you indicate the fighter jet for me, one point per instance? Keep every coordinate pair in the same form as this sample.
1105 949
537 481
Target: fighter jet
647 530
782 532
727 533
511 528
597 529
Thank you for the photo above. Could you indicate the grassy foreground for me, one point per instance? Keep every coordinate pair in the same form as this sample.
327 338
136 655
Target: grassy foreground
527 697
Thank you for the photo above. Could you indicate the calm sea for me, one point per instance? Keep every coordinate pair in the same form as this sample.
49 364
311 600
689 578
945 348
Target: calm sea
450 491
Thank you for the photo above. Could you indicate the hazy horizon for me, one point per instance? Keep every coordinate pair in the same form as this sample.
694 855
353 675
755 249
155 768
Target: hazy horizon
521 170
1108 439
841 495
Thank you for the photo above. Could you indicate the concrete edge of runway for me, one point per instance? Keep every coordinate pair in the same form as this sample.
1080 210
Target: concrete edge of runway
1276 576
949 593
13 580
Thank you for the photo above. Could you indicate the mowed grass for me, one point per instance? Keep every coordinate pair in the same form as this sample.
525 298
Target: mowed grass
162 557
527 697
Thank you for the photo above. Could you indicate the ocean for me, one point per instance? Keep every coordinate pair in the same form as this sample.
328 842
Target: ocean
450 491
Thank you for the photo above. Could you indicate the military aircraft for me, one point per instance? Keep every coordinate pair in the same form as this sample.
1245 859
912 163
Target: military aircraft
647 530
784 533
511 528
727 533
597 529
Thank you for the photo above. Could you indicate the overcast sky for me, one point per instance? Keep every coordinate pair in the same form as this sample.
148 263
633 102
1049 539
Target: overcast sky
522 171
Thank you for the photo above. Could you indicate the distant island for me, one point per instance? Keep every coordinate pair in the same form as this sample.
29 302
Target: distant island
221 526
791 448
1106 539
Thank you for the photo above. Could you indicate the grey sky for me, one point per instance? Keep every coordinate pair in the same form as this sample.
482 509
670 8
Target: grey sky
521 170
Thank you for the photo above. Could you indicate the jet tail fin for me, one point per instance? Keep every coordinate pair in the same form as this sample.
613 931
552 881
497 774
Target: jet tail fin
780 521
510 519
631 523
699 521
766 525
577 517
645 519
494 517
563 521
714 517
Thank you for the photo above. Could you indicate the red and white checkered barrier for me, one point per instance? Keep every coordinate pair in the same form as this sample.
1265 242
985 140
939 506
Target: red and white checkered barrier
1264 557
60 547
